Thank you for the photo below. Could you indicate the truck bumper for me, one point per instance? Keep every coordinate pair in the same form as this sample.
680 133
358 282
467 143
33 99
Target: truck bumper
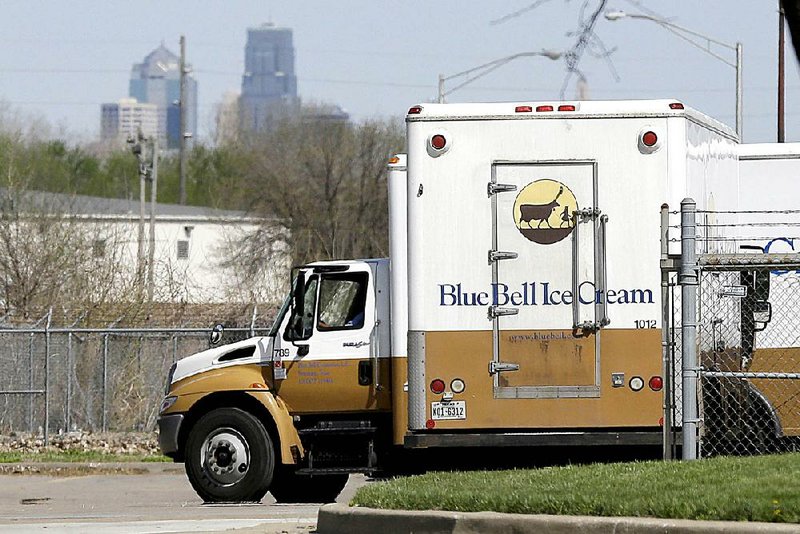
169 426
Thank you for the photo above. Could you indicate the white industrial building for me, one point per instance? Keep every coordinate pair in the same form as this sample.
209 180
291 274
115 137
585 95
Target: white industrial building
195 247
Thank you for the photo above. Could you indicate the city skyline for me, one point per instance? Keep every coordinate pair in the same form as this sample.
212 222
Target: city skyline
376 59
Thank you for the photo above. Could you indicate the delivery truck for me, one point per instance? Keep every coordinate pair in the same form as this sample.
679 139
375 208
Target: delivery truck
519 307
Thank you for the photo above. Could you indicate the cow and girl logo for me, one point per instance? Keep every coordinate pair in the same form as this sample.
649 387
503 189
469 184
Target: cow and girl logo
543 211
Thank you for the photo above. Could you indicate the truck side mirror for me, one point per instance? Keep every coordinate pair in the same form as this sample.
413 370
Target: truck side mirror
216 334
762 314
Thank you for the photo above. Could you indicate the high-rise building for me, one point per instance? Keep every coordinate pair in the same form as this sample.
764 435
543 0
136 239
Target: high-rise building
156 80
126 118
269 85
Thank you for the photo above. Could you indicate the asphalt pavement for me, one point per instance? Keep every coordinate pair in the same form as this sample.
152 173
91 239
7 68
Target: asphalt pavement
134 498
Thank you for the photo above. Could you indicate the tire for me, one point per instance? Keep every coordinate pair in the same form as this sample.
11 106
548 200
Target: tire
289 487
229 457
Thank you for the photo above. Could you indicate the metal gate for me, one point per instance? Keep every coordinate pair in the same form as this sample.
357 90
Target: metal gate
731 335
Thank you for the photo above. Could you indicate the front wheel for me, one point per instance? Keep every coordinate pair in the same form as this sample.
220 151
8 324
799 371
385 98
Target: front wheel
229 457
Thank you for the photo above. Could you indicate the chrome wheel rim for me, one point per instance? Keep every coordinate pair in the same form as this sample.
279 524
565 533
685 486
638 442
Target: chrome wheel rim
225 456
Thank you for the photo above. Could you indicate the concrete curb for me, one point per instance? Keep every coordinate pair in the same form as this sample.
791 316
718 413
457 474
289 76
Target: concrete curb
337 518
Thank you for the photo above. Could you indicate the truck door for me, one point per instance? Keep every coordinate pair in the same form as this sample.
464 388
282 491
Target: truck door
548 278
324 356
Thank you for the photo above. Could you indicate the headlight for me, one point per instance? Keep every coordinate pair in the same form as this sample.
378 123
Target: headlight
169 377
167 403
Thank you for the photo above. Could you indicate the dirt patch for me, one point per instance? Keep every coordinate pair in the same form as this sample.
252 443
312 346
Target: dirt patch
70 470
139 443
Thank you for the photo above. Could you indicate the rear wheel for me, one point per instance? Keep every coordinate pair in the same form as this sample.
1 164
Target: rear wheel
229 457
288 487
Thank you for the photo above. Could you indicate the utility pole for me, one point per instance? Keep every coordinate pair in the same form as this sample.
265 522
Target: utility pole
153 195
781 69
182 110
139 149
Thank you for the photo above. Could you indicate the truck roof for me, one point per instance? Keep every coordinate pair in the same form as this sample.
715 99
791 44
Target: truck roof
571 109
769 151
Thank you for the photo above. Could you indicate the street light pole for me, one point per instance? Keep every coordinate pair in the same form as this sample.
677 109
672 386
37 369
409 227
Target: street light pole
687 35
482 70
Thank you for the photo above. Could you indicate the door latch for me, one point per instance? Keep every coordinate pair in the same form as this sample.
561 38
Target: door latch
502 367
497 311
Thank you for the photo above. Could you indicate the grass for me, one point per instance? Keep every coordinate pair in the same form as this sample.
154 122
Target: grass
761 488
77 456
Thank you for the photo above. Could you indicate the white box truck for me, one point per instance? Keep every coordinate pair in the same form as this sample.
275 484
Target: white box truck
520 306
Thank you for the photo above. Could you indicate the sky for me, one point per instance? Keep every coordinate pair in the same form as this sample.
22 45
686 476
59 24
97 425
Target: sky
376 58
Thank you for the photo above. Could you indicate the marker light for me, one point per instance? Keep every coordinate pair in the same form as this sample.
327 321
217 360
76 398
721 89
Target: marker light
523 109
544 108
649 139
393 160
416 110
437 386
438 141
656 383
676 105
457 385
258 385
636 383
167 403
566 107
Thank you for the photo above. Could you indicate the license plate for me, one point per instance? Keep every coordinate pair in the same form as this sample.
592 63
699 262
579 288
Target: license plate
448 410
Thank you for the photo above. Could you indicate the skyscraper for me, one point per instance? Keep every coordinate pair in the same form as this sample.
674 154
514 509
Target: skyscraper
269 85
157 81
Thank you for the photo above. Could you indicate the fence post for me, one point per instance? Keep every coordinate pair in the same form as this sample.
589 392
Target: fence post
105 382
666 313
688 282
69 384
47 378
30 385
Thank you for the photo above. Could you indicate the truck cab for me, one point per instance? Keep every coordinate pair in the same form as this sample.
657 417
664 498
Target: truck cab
311 399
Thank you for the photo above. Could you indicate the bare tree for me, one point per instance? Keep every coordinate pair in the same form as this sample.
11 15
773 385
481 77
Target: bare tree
325 182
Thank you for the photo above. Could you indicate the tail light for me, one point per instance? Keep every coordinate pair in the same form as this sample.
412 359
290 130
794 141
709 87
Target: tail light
656 383
437 386
438 141
649 139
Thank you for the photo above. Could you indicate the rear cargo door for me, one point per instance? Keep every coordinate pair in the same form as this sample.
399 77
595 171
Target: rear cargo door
547 259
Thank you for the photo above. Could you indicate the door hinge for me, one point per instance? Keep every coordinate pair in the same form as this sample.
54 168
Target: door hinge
493 188
502 367
496 255
497 311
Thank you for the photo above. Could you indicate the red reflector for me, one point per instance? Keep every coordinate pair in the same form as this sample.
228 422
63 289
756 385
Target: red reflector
437 386
566 107
676 105
523 109
430 423
416 110
660 421
649 139
438 141
544 108
656 383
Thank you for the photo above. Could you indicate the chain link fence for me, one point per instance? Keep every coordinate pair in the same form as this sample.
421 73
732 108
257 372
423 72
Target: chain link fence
112 379
732 331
